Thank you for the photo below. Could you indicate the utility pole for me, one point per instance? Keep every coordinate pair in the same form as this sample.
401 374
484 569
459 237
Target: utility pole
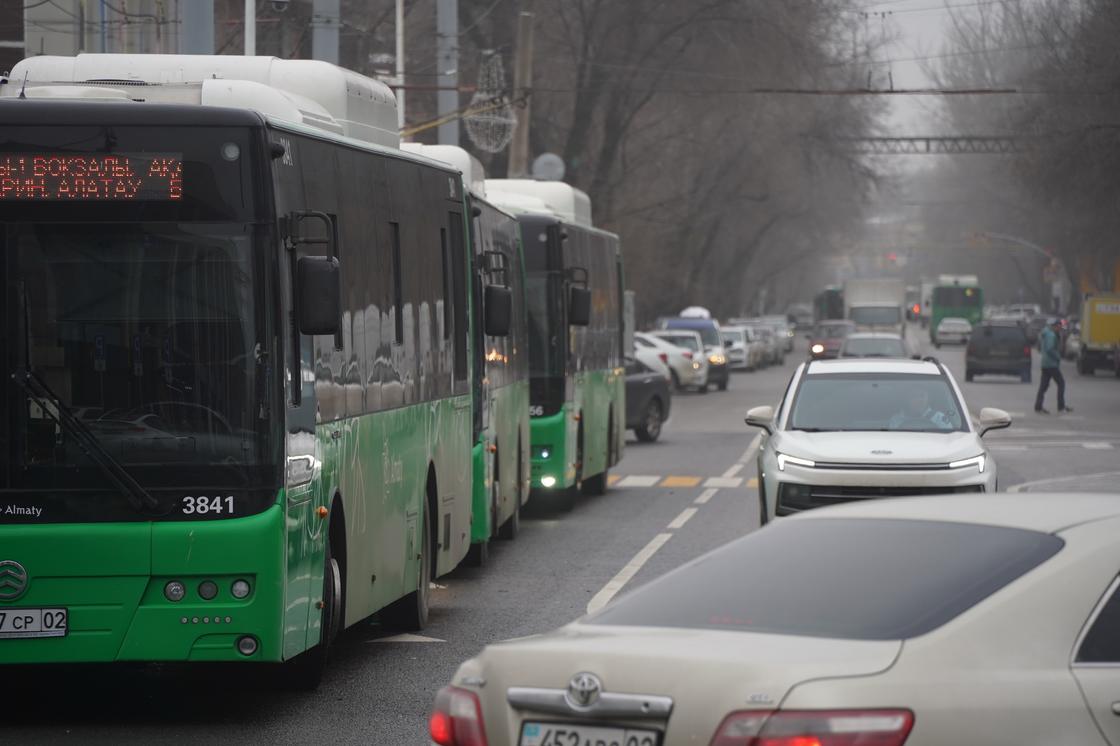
522 87
447 64
250 27
325 20
197 29
400 64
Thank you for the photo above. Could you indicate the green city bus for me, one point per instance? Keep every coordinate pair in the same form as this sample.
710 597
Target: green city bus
501 455
239 405
575 292
955 297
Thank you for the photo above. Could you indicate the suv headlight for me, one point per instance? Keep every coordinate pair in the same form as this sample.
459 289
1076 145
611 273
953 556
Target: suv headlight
978 461
783 459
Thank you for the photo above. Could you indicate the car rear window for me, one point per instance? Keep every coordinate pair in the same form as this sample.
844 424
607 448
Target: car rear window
870 579
1003 334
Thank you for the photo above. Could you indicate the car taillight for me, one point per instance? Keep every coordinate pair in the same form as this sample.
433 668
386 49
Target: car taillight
687 355
456 719
664 357
815 728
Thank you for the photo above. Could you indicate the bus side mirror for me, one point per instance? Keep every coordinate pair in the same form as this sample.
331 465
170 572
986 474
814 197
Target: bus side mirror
497 305
579 306
318 295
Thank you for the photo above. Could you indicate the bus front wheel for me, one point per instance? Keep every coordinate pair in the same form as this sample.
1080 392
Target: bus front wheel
305 671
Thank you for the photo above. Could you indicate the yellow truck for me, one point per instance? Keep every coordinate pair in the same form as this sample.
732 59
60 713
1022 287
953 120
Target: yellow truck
1100 334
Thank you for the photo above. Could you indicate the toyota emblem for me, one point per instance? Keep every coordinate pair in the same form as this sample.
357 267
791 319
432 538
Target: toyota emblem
583 690
13 580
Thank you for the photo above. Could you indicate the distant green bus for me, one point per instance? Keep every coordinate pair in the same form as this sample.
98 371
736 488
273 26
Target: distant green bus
501 411
239 383
577 382
955 300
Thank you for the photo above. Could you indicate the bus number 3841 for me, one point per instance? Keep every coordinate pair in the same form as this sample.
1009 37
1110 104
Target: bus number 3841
203 505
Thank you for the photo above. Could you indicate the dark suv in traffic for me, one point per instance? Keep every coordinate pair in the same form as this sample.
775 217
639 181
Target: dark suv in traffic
999 347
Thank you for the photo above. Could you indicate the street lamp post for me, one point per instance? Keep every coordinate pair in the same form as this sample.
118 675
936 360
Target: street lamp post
1023 243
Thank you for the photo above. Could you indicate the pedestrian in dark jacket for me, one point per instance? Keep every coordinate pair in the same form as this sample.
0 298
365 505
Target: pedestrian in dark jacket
1050 343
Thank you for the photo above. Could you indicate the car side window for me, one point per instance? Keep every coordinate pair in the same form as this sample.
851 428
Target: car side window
1102 641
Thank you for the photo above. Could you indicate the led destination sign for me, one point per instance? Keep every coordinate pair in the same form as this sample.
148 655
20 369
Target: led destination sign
64 177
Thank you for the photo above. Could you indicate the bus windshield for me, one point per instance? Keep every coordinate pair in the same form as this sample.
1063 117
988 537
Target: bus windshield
153 336
956 297
546 356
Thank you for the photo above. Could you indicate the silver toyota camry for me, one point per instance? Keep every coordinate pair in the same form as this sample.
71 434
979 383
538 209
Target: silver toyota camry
961 619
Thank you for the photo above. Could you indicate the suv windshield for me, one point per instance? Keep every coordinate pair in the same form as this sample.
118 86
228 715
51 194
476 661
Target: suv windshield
708 331
876 401
834 581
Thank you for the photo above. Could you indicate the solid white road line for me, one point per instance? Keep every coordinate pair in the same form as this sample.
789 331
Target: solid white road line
638 480
1098 446
682 519
735 469
706 495
1058 480
619 581
724 482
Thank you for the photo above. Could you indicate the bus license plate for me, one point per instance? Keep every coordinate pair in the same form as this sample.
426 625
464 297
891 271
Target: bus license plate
22 623
568 734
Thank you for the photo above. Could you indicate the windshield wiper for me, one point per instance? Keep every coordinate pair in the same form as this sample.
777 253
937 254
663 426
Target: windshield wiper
37 390
814 429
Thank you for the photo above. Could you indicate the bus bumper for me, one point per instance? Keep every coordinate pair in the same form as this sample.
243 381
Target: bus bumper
552 464
112 579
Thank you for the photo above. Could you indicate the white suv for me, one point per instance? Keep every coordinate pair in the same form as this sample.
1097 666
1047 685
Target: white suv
855 429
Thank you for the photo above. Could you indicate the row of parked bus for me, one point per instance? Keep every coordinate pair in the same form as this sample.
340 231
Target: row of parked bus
271 372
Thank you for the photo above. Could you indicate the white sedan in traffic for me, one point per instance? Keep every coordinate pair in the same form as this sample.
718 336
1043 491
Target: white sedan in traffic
853 429
986 620
686 367
952 329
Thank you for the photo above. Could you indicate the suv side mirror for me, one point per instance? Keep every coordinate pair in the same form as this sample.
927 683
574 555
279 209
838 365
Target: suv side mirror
993 419
579 306
319 295
760 417
497 306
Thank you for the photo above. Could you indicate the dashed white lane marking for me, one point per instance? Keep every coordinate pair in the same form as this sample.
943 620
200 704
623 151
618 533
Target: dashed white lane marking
730 482
735 469
706 495
682 519
1097 446
1007 448
406 637
1059 480
638 480
619 581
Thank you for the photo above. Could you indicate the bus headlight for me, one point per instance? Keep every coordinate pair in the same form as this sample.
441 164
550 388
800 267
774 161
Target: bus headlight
548 481
240 589
174 591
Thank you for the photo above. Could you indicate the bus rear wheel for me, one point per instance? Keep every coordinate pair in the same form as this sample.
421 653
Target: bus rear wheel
411 612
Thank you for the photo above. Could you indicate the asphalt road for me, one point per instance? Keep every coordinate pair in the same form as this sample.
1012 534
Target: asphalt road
670 502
